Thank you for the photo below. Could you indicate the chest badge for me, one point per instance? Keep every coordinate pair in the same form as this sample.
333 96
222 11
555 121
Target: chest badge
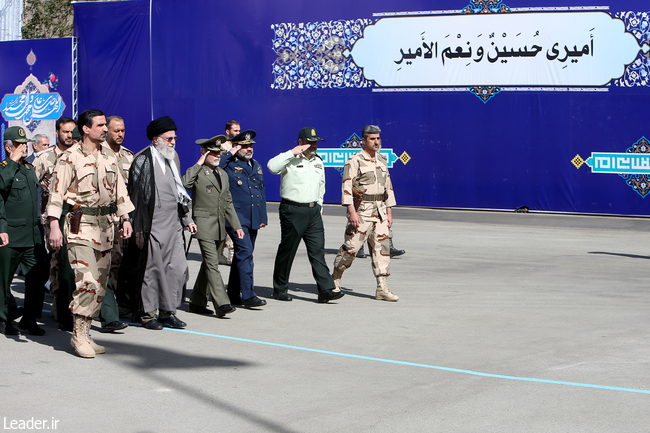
239 182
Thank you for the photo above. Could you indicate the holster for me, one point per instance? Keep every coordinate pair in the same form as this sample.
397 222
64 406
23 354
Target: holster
75 220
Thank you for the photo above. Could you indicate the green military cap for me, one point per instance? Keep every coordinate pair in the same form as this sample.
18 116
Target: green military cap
76 135
17 134
212 144
309 134
244 137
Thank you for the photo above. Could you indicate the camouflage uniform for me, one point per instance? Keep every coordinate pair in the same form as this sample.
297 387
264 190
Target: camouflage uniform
91 181
124 160
370 177
44 167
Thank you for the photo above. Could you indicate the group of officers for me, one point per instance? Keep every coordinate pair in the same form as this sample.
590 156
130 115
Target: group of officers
115 223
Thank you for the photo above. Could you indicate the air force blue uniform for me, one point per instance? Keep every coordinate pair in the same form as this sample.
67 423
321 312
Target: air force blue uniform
249 198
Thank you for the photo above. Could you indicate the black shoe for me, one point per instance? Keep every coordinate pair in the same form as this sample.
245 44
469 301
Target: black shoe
172 322
153 324
67 327
31 326
361 254
394 251
253 302
225 309
197 309
15 314
10 328
282 296
329 295
114 326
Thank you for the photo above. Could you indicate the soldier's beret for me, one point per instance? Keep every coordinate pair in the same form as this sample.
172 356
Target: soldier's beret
75 134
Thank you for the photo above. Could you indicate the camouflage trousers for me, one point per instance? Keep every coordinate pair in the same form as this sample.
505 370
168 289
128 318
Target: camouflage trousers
91 274
375 232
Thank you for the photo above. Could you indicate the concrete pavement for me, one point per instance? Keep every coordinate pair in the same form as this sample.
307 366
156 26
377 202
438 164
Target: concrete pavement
506 323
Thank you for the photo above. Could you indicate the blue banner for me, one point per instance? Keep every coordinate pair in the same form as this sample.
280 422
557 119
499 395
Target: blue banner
482 104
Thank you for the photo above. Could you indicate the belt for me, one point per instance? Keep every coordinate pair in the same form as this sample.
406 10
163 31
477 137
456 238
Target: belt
96 211
294 203
372 197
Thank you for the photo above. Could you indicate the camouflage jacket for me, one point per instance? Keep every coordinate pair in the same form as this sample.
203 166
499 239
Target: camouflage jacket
88 180
369 176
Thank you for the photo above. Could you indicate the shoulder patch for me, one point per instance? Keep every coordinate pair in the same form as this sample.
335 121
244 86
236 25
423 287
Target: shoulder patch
3 163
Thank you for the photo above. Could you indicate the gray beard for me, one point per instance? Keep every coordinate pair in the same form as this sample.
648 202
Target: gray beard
166 152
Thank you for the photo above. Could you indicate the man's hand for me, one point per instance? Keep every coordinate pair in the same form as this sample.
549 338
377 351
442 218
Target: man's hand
235 149
240 234
202 159
300 149
18 152
354 218
127 230
4 239
389 217
262 225
192 228
56 237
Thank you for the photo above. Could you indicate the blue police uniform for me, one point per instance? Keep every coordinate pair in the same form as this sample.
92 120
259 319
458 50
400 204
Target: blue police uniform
249 198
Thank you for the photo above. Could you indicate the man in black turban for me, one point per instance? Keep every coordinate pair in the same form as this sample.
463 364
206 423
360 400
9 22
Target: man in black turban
161 213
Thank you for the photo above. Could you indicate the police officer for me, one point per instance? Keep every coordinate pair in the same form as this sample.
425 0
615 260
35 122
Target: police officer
249 197
302 188
212 207
19 220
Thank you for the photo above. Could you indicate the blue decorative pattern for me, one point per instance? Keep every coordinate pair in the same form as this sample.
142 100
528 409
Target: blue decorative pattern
639 182
312 55
486 7
638 73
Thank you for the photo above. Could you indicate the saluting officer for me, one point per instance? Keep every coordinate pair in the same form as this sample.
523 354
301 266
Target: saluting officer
211 207
249 197
19 220
302 188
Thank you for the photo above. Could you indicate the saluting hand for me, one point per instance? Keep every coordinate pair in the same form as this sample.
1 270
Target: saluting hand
18 152
202 159
300 149
235 149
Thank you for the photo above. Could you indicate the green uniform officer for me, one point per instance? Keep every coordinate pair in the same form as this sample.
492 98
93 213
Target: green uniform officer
19 219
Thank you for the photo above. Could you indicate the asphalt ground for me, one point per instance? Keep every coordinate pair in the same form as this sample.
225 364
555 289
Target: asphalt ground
506 323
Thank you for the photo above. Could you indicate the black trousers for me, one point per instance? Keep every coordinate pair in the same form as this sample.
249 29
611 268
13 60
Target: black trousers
296 224
29 259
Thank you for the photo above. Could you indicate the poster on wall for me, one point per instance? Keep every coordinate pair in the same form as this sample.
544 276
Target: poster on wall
36 85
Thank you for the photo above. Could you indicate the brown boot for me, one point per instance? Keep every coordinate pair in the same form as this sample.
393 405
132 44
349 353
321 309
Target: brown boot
78 339
336 276
96 347
383 292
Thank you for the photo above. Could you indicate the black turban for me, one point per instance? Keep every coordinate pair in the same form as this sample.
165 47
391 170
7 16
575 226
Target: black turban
160 126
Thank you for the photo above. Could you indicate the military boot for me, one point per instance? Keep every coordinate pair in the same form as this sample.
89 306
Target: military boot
96 347
336 276
383 292
78 339
394 251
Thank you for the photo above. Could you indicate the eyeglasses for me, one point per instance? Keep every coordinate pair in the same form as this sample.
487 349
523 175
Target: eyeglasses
170 139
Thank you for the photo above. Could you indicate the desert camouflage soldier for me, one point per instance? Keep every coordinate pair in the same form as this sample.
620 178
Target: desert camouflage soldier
110 312
88 179
44 165
368 195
